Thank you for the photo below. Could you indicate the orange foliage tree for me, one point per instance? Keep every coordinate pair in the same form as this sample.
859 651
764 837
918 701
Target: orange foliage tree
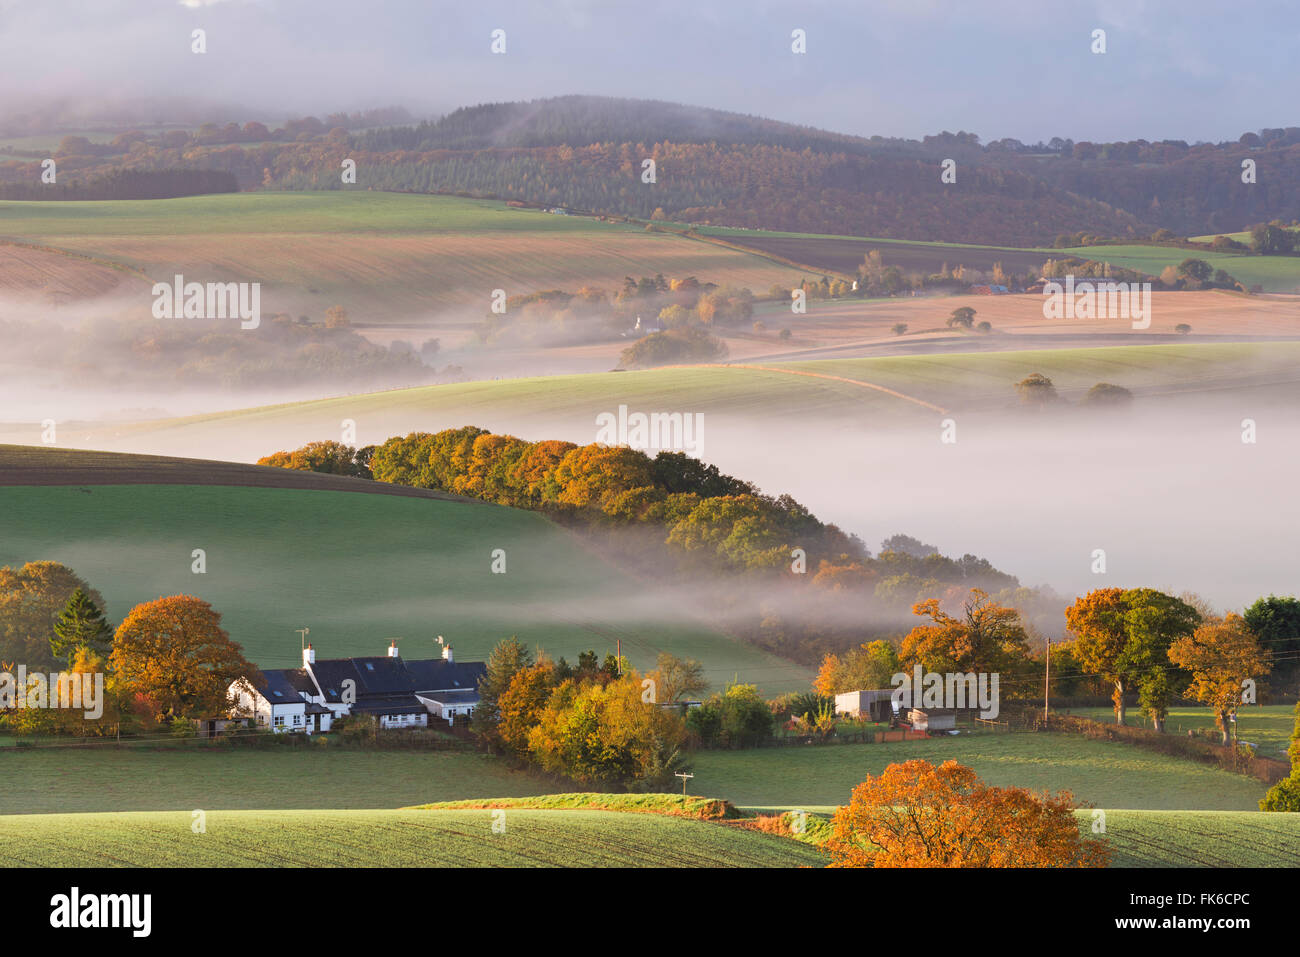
174 653
1221 655
987 638
916 815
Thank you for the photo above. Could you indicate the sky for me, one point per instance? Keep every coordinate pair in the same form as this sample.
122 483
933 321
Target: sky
1177 69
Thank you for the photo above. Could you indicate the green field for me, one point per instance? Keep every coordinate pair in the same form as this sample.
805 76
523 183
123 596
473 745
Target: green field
361 569
407 838
1273 273
1101 773
553 838
51 780
1268 726
104 778
333 212
1201 839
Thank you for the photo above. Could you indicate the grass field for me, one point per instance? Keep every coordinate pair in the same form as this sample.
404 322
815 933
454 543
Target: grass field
104 778
1101 773
553 838
1202 839
386 257
407 838
1268 727
360 569
1273 273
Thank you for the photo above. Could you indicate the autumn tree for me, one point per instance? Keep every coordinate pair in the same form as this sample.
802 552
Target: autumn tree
1124 636
505 660
677 679
331 458
1107 394
869 667
590 474
174 652
916 815
1036 390
86 665
1221 654
605 734
32 598
987 638
963 316
520 705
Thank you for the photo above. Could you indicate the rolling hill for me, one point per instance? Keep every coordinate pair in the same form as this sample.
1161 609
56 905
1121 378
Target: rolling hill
883 392
389 259
358 569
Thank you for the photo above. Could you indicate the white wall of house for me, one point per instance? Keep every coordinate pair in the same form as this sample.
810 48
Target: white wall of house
404 721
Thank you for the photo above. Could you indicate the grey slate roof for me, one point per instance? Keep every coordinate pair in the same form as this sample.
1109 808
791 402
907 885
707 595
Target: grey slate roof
384 685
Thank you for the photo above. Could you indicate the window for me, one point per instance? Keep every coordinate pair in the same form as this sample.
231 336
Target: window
278 721
297 719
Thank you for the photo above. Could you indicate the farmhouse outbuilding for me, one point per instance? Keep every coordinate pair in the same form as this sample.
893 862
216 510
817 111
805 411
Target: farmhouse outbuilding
874 705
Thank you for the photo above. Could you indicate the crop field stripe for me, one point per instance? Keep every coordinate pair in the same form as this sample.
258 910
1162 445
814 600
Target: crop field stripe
822 375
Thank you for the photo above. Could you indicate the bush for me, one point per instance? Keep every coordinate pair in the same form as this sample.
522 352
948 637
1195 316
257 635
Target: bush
1283 796
690 344
737 718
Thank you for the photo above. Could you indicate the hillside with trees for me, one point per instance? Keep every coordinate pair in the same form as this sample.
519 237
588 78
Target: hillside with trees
586 153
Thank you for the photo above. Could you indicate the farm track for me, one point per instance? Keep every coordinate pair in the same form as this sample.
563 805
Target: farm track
822 375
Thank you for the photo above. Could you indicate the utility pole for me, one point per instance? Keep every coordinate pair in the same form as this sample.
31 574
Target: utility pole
683 777
618 653
1047 680
302 638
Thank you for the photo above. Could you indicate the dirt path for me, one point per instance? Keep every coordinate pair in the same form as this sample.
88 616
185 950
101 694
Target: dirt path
820 375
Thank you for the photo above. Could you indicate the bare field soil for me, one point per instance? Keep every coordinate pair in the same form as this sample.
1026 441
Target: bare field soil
409 279
58 277
847 328
34 465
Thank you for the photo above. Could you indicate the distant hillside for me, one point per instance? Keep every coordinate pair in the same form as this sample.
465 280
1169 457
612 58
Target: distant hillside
721 168
583 120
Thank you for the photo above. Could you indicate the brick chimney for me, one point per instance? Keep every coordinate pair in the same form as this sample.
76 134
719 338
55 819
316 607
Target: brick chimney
446 654
392 649
308 656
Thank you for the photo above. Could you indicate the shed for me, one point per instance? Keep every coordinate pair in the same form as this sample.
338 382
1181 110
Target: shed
876 704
